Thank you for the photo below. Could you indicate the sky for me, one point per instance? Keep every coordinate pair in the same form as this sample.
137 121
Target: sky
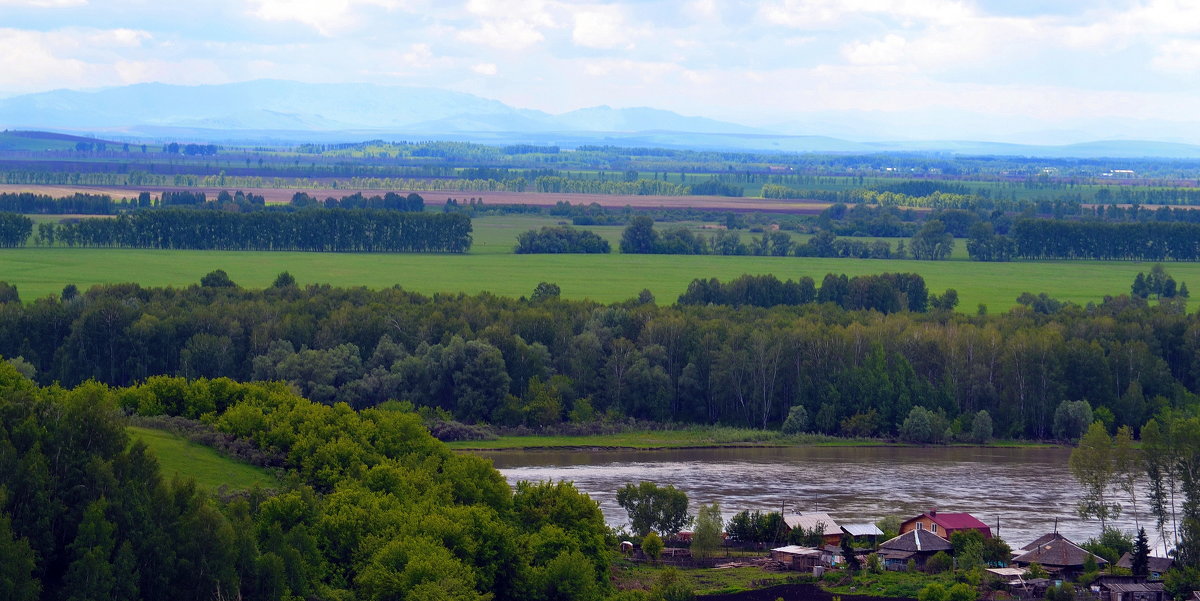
755 62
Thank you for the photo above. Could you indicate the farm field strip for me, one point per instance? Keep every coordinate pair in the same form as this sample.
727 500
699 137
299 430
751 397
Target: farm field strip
605 278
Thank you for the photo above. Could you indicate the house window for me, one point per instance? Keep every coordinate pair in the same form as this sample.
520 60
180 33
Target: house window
920 525
933 528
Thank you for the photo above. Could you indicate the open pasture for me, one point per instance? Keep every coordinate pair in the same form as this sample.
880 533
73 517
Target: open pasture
606 278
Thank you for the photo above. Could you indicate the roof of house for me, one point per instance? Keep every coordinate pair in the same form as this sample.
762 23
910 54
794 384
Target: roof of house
1043 539
917 540
1156 564
808 521
796 550
954 521
867 529
1057 552
1134 587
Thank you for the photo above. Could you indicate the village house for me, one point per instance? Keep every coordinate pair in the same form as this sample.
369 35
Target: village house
918 545
1059 556
831 532
1156 565
945 524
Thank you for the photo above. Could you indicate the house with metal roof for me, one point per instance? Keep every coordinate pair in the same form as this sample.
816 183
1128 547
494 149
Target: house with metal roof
866 531
831 532
945 524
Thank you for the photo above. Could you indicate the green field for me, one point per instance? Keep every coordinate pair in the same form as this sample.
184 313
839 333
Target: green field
606 278
180 457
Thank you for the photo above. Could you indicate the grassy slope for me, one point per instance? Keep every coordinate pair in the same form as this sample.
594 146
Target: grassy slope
177 456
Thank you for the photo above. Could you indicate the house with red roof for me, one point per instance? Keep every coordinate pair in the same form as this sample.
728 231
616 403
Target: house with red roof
945 524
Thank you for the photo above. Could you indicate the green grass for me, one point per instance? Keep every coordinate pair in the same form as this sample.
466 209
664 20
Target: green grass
703 581
180 457
606 278
891 584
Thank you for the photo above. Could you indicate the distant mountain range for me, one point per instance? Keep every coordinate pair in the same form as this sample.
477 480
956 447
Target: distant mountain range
287 111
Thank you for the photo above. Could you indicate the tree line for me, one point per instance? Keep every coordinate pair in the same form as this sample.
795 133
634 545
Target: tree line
43 204
548 360
886 292
370 506
555 240
1141 241
14 229
353 230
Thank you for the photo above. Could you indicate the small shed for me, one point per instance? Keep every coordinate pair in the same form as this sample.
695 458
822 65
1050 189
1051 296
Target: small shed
797 557
1156 565
868 531
1130 591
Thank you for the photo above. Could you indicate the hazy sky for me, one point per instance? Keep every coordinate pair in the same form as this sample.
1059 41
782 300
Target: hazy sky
754 61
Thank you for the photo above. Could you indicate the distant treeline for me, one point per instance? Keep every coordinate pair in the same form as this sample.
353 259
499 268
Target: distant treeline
14 229
42 204
1146 241
886 292
554 240
355 230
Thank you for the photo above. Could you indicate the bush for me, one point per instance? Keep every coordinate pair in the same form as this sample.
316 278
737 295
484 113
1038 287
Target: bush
797 420
940 562
652 545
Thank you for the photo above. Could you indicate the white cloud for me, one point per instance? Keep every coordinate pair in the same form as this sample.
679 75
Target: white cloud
1178 57
327 17
43 3
79 58
889 50
488 69
503 34
602 27
822 13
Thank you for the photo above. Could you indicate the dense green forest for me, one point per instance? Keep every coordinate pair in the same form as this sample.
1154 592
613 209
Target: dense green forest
374 507
546 360
351 230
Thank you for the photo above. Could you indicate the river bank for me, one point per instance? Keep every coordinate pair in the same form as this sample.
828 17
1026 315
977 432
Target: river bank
701 438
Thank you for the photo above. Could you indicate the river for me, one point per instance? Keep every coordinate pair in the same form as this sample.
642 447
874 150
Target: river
1021 492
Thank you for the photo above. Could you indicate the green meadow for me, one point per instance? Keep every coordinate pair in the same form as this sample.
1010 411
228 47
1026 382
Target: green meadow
178 456
491 266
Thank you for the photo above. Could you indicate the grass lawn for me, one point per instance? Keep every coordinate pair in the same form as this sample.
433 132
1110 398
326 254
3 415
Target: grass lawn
180 457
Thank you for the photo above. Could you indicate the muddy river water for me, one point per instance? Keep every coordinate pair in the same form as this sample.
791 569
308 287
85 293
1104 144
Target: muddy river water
1020 490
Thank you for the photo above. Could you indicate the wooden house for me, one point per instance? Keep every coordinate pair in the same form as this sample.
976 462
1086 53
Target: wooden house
1156 565
917 545
945 524
1058 555
831 532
